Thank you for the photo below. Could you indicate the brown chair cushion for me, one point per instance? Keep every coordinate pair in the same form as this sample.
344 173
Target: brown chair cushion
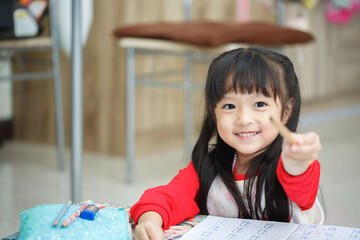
212 34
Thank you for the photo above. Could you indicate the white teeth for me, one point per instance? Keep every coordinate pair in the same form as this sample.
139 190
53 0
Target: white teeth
246 134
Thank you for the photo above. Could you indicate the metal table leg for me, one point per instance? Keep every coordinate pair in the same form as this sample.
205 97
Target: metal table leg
76 110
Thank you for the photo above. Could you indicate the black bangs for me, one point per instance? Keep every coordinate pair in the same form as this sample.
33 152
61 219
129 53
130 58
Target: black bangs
244 71
255 74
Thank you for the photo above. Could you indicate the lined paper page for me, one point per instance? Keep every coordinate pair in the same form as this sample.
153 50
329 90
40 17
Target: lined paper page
215 228
324 232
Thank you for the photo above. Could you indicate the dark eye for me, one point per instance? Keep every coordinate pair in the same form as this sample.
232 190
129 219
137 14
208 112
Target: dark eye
260 104
229 106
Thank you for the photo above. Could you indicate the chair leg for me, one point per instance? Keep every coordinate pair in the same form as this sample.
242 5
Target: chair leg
189 107
57 89
130 113
59 117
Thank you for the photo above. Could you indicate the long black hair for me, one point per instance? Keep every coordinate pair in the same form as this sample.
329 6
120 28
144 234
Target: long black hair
249 70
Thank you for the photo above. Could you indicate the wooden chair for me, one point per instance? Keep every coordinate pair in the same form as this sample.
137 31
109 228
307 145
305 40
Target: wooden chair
8 48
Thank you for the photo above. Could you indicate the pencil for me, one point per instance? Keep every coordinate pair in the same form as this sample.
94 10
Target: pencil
75 215
283 130
61 214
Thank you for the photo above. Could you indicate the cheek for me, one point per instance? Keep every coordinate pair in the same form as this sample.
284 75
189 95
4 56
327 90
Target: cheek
271 132
224 127
221 128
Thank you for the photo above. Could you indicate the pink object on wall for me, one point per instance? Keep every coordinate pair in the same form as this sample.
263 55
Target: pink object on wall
243 11
341 16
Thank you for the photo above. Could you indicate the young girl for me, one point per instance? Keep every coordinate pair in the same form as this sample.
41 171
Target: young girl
251 172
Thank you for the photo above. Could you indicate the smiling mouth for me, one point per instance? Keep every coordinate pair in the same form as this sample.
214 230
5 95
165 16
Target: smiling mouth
247 134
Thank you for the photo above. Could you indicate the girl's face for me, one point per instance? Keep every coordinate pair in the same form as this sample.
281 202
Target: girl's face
243 122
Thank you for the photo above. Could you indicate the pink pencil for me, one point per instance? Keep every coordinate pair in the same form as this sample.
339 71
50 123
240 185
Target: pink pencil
75 215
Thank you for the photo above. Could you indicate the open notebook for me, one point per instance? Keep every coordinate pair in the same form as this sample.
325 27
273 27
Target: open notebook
214 228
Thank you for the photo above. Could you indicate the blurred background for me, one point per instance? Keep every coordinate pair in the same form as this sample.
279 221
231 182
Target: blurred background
328 69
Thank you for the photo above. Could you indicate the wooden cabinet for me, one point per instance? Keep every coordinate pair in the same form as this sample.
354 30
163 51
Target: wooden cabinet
345 45
331 66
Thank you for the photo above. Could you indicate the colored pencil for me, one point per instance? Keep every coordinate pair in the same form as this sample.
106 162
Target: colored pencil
61 214
75 215
283 130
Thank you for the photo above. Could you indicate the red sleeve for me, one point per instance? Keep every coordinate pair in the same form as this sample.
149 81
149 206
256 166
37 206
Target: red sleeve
301 189
175 201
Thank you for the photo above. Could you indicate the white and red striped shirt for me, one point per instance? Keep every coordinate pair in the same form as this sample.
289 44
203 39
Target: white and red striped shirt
176 201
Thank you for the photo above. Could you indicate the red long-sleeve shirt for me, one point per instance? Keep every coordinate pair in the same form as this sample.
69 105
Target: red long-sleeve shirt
176 201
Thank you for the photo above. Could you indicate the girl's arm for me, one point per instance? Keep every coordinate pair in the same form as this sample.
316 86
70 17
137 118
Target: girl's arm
174 202
298 170
301 189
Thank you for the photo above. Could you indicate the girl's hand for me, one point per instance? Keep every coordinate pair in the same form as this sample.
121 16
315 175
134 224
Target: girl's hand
299 156
149 227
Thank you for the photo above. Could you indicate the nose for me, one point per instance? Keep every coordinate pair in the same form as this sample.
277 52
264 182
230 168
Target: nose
244 117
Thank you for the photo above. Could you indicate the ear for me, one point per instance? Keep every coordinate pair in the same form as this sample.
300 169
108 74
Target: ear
287 111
